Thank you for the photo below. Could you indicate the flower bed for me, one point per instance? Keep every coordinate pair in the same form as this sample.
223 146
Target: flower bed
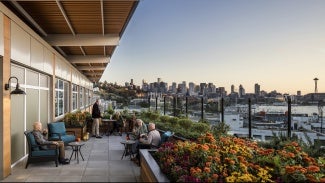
231 159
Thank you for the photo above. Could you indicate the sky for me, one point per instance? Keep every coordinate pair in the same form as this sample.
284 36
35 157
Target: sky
279 44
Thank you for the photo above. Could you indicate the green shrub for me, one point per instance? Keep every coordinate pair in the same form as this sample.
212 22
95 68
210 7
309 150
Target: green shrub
173 121
200 127
185 123
153 116
164 119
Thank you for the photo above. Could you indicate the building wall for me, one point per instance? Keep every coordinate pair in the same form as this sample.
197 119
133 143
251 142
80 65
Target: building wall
25 55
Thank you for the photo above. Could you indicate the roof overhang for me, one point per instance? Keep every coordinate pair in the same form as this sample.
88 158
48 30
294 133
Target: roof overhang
85 32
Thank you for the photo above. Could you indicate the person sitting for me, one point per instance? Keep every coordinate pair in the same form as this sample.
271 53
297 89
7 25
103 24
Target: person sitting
147 141
40 139
118 123
139 129
132 122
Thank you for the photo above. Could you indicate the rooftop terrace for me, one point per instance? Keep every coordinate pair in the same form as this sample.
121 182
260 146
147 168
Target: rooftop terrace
102 163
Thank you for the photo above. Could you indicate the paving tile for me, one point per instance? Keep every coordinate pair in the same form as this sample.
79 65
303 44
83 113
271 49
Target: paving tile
96 171
94 178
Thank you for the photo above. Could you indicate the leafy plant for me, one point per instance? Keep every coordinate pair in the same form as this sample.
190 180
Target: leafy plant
220 129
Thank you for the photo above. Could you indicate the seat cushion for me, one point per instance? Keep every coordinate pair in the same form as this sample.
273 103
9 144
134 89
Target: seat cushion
49 152
57 127
68 138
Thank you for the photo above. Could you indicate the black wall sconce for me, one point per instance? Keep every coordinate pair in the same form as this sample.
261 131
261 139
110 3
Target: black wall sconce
17 91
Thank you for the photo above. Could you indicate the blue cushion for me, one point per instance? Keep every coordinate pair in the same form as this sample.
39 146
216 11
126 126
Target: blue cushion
165 137
68 138
50 152
32 140
57 127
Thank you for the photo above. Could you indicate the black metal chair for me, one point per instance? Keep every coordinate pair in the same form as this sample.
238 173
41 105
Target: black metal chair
40 153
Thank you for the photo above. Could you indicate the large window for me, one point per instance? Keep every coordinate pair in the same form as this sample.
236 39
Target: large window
59 97
74 97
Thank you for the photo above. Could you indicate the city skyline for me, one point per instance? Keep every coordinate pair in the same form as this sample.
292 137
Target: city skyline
227 89
279 44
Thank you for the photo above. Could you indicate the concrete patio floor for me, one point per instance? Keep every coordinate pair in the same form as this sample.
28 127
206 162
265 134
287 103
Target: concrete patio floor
102 163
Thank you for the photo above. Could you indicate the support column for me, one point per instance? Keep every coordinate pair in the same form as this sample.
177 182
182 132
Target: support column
5 133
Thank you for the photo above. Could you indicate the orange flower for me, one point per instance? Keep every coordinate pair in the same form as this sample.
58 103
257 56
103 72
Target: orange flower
209 158
215 176
232 151
295 144
208 164
290 169
232 162
205 147
217 159
290 155
207 169
322 180
313 168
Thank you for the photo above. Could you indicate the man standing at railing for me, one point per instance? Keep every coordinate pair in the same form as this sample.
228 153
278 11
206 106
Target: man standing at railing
96 117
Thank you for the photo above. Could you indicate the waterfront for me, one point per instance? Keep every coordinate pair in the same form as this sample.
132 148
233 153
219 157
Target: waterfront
295 109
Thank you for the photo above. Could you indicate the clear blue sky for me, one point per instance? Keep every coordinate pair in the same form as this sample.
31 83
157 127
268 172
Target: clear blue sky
279 44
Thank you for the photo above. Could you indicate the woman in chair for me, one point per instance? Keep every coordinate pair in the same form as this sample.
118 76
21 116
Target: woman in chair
40 138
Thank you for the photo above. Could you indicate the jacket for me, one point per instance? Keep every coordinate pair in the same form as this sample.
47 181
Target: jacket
96 112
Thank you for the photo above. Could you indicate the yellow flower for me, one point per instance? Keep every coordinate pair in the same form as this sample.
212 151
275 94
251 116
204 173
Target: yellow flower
230 179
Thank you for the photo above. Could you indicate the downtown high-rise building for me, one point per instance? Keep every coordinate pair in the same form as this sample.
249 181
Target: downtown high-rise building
241 91
257 89
232 90
191 86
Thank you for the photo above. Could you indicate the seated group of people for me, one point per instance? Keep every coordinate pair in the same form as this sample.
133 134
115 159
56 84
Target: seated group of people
144 138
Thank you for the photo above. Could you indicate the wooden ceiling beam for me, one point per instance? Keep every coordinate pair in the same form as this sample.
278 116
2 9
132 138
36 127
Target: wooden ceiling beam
91 68
82 39
88 59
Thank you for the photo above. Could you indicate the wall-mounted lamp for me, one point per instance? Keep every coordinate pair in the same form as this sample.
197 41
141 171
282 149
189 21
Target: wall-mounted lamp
17 90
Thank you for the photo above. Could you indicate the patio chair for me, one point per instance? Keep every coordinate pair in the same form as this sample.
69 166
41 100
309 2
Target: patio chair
58 132
39 153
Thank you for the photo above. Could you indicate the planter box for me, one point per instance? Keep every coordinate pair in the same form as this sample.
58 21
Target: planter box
150 171
79 131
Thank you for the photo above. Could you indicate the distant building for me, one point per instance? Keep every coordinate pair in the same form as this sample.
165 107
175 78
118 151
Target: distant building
299 93
202 88
174 88
257 88
241 91
232 89
191 86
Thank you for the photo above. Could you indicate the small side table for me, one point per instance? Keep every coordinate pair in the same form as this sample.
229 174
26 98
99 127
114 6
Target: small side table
76 146
127 148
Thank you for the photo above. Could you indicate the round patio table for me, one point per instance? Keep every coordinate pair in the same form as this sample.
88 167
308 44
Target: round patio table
127 148
76 146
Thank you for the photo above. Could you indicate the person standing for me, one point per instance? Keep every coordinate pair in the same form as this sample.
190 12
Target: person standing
96 117
40 138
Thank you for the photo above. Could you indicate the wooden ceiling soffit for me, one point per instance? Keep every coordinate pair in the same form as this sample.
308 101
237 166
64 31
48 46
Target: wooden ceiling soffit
88 59
82 39
93 74
94 78
91 67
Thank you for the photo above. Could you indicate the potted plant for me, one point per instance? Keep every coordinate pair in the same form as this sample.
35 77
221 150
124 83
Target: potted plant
77 122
